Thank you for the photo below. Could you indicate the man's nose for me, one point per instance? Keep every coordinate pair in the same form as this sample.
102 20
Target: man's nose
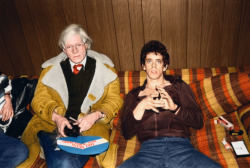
154 64
75 49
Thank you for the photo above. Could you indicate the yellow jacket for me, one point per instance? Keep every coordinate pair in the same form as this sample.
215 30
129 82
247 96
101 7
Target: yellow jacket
51 92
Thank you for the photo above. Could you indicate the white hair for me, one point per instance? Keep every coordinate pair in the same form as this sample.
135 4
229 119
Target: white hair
73 29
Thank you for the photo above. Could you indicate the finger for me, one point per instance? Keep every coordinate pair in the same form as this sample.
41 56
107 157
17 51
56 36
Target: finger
158 88
59 135
5 116
155 110
12 114
168 99
62 134
160 105
9 115
155 94
85 127
159 102
161 89
82 129
81 124
76 123
61 130
68 125
60 126
166 106
165 94
152 107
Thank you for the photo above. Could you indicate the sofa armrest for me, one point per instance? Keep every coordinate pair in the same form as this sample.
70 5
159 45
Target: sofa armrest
222 94
244 115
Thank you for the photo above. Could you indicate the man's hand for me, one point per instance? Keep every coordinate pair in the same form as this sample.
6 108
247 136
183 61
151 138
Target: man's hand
7 110
87 121
61 122
150 102
167 100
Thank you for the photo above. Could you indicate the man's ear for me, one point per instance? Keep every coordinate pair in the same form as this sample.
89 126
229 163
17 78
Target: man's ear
86 46
143 67
165 68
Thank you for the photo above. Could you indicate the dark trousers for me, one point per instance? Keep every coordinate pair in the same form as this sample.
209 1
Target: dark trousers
169 152
12 151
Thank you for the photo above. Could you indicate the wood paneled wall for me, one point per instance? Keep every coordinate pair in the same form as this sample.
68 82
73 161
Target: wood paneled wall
197 33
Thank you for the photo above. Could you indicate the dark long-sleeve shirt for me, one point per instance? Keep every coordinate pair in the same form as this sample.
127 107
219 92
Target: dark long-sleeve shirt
166 123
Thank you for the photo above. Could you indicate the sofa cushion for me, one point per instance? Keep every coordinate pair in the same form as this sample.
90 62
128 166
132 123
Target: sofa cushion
208 141
222 94
127 148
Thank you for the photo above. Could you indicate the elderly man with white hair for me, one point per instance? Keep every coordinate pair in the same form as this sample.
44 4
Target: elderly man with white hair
78 83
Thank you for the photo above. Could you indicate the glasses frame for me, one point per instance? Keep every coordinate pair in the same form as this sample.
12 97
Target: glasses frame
77 46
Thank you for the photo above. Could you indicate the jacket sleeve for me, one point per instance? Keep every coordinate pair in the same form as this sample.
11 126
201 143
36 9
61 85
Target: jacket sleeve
129 124
44 102
5 83
112 102
190 112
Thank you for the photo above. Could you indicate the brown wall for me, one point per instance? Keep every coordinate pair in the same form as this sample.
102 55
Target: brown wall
197 33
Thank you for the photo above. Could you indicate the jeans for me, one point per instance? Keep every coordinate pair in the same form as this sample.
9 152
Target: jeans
169 152
12 151
59 158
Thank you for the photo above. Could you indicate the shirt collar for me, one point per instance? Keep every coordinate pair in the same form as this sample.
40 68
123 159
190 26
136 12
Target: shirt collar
83 63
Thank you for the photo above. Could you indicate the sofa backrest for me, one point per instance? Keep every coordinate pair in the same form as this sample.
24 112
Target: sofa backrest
133 79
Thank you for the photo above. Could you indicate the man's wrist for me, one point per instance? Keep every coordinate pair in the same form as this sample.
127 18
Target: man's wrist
54 115
7 98
176 109
100 115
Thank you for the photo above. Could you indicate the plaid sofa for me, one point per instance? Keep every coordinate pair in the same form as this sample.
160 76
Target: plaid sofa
219 92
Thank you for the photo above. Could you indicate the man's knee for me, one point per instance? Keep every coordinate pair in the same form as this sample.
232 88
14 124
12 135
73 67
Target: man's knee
22 153
63 163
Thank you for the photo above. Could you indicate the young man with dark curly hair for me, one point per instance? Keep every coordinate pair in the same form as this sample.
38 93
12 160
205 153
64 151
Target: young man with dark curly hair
160 113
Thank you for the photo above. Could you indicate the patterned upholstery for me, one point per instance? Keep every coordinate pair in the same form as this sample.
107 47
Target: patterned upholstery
219 91
244 115
222 94
208 141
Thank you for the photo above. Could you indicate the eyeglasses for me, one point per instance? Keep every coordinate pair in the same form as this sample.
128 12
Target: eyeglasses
77 46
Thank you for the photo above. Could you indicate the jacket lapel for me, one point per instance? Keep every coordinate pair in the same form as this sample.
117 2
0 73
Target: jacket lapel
102 77
58 83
